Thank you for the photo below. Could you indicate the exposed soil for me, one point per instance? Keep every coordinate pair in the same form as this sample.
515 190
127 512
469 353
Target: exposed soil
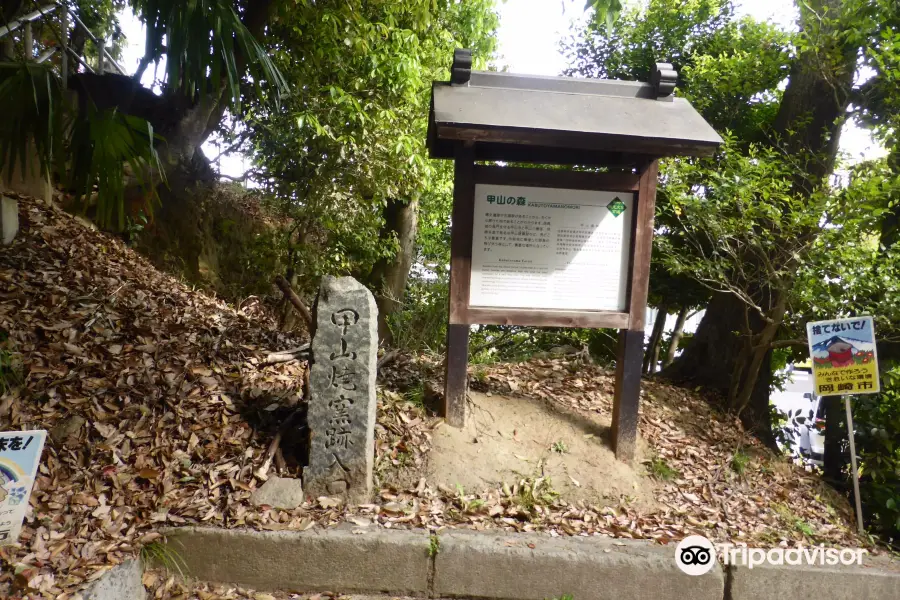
509 438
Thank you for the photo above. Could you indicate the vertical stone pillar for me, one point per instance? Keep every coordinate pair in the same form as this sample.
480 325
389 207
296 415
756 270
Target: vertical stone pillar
9 219
341 414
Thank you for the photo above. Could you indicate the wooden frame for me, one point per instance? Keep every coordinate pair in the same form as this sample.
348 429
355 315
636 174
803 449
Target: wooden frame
630 323
489 116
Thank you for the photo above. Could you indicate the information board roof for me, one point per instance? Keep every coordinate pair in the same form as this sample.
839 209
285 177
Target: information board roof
563 119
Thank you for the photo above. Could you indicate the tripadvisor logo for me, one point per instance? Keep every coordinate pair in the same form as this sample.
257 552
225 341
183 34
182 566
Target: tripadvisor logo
509 200
695 555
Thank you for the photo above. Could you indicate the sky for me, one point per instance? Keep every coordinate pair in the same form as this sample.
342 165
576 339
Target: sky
529 36
530 32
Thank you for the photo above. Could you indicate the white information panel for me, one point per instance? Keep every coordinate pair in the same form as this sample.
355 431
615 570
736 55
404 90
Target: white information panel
550 248
20 455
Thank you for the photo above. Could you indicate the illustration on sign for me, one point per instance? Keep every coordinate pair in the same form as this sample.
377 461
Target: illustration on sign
20 454
843 356
550 248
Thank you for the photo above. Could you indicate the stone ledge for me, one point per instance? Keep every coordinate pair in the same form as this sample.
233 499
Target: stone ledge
821 583
498 566
122 582
376 560
536 567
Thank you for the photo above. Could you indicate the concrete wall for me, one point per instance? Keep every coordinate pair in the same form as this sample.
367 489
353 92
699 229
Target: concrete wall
29 181
500 566
123 582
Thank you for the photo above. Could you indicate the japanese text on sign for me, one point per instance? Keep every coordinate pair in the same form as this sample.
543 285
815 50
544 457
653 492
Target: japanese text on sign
20 454
844 359
550 248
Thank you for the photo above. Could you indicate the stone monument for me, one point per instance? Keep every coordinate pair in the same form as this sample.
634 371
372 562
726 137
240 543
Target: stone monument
341 414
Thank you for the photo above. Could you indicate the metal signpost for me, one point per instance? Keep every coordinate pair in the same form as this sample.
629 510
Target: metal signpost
844 363
552 247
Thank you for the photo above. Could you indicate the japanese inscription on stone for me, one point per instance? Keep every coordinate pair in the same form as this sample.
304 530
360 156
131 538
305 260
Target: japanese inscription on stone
341 414
550 248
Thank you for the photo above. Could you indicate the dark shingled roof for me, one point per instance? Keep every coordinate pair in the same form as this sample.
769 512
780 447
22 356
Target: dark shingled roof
564 119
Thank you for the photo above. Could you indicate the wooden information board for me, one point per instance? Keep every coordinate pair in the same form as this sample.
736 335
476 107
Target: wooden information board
548 247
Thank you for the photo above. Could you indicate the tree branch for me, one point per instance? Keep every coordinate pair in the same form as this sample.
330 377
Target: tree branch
788 344
283 356
495 342
241 139
243 177
142 66
295 300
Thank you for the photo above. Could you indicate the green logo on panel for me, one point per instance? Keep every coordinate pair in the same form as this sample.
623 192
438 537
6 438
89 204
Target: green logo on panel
616 207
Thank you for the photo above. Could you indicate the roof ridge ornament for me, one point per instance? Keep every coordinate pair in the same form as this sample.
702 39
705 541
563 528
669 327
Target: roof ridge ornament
461 71
664 79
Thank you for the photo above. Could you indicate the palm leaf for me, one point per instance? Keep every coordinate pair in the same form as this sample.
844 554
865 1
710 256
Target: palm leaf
103 142
202 39
32 123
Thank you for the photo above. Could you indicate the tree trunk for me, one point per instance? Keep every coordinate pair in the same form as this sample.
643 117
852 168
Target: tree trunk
287 315
761 346
718 354
709 359
813 107
651 355
675 341
389 275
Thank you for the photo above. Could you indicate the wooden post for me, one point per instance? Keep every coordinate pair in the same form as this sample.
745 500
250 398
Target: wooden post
28 42
101 58
456 386
627 394
64 36
631 341
456 383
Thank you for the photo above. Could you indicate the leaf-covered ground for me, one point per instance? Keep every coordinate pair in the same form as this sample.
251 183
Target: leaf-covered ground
161 411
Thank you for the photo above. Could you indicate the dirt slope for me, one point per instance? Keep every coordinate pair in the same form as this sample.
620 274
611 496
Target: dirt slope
507 438
149 390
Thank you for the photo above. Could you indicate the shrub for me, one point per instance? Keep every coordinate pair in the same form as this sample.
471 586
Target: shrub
877 423
421 324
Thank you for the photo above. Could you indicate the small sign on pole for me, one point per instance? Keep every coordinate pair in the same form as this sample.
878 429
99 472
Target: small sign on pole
20 454
843 356
845 363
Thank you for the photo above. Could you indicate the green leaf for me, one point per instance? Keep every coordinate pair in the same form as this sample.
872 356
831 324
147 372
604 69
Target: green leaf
607 10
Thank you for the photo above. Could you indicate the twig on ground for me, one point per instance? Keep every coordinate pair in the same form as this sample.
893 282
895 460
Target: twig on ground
263 471
503 340
283 356
219 341
388 357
